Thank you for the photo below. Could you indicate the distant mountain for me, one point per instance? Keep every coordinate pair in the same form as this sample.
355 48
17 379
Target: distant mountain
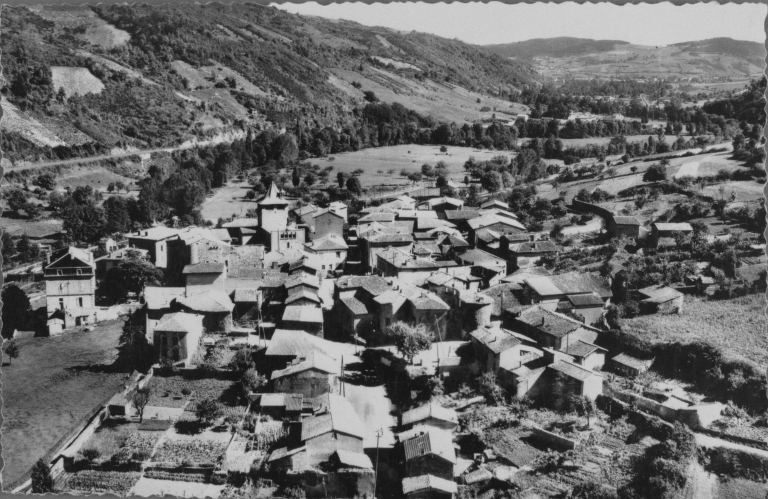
751 51
554 47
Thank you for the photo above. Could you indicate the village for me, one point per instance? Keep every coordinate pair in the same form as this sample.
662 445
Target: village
301 355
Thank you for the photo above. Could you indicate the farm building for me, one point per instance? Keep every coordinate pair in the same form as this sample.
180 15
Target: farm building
617 225
627 365
554 330
574 380
526 254
660 299
497 348
278 405
429 415
443 203
215 306
155 241
309 376
430 453
586 354
664 233
336 428
177 336
550 290
429 487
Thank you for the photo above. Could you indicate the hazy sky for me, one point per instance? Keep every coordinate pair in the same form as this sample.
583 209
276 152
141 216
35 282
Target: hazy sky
479 23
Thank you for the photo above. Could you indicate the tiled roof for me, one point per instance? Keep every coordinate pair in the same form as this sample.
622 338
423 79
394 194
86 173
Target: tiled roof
673 227
157 297
302 280
454 241
354 305
354 459
426 249
428 482
273 197
592 299
659 293
221 234
572 370
303 314
423 224
453 215
581 349
487 235
502 295
630 361
340 417
434 442
289 343
284 452
300 293
208 301
315 360
534 247
626 220
570 283
427 411
492 219
443 200
476 256
377 217
495 338
246 295
204 268
154 233
550 323
374 285
328 243
494 202
428 301
305 210
180 322
391 238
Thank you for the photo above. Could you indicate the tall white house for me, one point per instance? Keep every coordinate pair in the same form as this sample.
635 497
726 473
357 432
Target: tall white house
70 284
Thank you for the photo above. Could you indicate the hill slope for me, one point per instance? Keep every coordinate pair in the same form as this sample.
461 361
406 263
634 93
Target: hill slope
716 58
169 75
554 47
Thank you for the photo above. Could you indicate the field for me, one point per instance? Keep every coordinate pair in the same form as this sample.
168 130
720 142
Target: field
739 488
87 25
227 201
75 81
69 373
167 390
736 326
20 226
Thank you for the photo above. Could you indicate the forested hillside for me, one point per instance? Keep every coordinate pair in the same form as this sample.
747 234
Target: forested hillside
81 81
563 46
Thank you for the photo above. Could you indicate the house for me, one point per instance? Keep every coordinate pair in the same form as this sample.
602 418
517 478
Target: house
429 487
288 345
158 302
460 218
549 290
214 305
70 284
503 224
586 354
431 452
345 459
310 376
430 415
155 241
664 233
571 379
407 268
303 318
340 209
497 348
326 222
589 306
336 428
626 365
526 254
479 258
660 299
553 330
495 203
200 277
443 203
177 336
242 230
631 227
278 405
331 251
116 257
374 243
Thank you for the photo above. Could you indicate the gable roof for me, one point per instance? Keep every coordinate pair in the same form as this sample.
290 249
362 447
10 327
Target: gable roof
328 242
212 300
180 322
572 370
373 284
295 313
658 293
673 227
377 217
301 293
428 482
477 256
427 411
621 220
633 362
340 417
435 442
494 202
570 283
465 214
204 268
502 296
82 256
157 297
354 459
495 338
592 299
581 348
551 323
290 343
534 247
444 200
302 280
491 219
305 210
314 361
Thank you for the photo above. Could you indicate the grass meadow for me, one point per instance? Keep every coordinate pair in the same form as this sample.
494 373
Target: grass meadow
736 326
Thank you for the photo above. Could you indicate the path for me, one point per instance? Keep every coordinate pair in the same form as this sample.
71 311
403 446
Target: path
700 483
708 441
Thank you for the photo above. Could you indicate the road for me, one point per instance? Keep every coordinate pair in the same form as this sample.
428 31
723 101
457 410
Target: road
708 441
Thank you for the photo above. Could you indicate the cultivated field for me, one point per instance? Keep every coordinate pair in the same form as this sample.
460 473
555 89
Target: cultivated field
227 201
75 81
68 372
736 326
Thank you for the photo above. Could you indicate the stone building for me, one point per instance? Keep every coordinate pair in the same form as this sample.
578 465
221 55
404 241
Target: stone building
177 336
310 376
70 284
430 453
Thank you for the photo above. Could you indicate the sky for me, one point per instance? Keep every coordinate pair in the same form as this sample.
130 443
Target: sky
495 22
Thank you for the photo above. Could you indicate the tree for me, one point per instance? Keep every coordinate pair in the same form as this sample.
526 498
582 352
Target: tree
134 350
9 247
251 381
655 173
111 187
354 186
633 168
116 215
130 275
370 96
341 177
443 149
586 406
15 199
140 400
296 177
427 170
208 410
84 222
12 350
410 340
42 480
242 360
557 231
16 309
492 181
120 186
310 179
46 181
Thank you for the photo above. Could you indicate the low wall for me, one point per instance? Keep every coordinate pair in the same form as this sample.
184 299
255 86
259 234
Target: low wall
558 441
695 416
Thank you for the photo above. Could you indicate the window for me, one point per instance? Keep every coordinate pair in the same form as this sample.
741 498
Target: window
338 254
387 321
80 302
59 272
61 303
79 271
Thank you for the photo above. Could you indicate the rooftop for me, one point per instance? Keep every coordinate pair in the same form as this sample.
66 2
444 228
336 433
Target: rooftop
495 338
354 459
659 293
673 227
434 442
289 343
427 411
620 220
295 313
180 322
204 268
428 482
572 370
550 323
340 417
314 361
208 301
157 297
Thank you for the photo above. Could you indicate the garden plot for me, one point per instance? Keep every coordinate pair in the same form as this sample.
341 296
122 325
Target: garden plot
96 481
75 81
118 438
227 201
167 390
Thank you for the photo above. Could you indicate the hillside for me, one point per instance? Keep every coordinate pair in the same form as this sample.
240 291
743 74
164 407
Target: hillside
141 76
563 46
716 59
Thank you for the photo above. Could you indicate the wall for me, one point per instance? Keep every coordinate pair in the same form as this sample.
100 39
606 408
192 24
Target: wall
199 283
321 447
583 207
429 464
558 441
325 224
